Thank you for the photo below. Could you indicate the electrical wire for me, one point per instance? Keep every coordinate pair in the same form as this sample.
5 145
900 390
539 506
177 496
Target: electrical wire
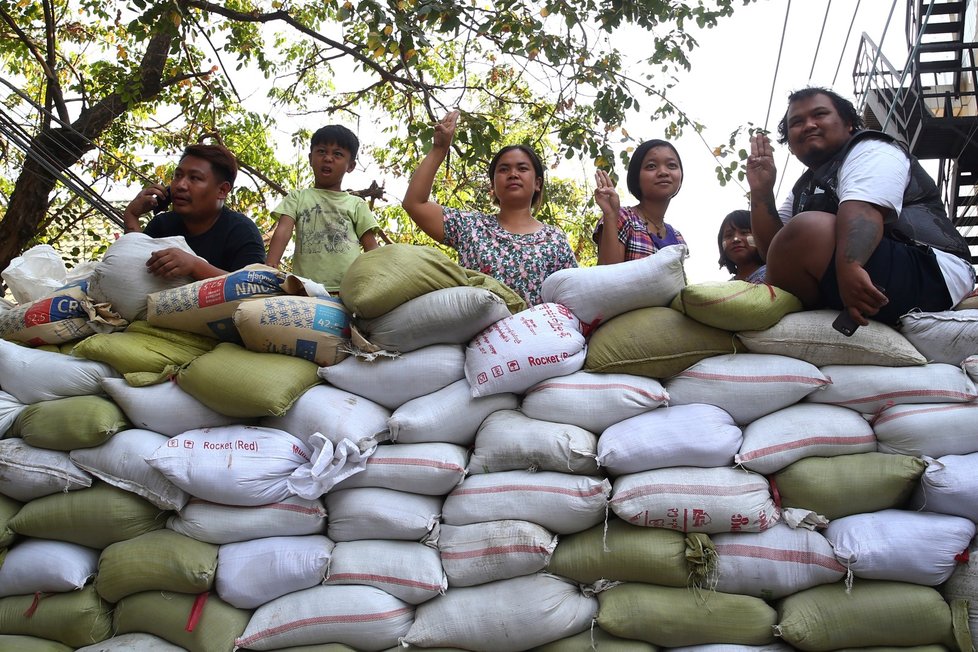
842 52
777 66
818 46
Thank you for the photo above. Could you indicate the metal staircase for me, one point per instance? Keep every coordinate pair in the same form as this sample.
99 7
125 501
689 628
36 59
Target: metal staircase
931 104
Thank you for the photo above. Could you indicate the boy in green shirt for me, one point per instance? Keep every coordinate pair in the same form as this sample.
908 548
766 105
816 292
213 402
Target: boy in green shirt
330 225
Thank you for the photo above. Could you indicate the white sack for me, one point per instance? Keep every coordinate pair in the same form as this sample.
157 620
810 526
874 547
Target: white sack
682 435
593 401
392 382
121 462
934 430
27 473
42 566
164 408
518 352
330 465
359 616
233 465
746 385
949 485
251 573
901 546
335 413
596 294
33 375
561 502
447 316
949 336
374 513
504 616
35 274
509 441
431 469
870 388
804 430
450 414
774 563
220 524
696 500
10 409
494 550
134 641
407 570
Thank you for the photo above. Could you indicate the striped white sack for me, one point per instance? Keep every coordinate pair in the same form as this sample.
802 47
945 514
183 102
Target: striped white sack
215 523
407 570
774 563
870 388
593 401
949 486
561 502
494 550
804 430
681 435
746 385
251 573
27 472
510 441
696 500
934 429
332 412
374 513
431 469
360 616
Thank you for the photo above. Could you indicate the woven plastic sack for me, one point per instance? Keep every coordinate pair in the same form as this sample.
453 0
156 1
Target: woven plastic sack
526 611
251 573
593 401
361 616
335 414
10 409
65 424
36 644
963 586
36 273
493 550
509 441
597 294
409 571
934 429
949 486
75 618
747 386
374 513
381 280
684 617
312 328
431 469
226 381
94 517
8 507
156 561
450 414
803 430
848 484
222 524
448 316
167 614
872 613
736 305
595 639
66 315
163 408
949 336
40 566
27 473
870 388
683 435
142 347
628 553
32 376
128 642
809 336
654 342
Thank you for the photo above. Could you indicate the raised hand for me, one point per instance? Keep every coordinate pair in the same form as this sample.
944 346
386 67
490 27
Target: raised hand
445 130
605 195
761 171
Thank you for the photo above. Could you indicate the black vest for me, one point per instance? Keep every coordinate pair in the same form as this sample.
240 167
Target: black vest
923 220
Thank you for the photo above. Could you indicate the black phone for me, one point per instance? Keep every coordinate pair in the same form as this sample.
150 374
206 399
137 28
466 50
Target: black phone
845 324
162 204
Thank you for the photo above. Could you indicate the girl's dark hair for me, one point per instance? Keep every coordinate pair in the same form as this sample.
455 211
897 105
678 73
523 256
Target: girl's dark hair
537 167
635 163
739 220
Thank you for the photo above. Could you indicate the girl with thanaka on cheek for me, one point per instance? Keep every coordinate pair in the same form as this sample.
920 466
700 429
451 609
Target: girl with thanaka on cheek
737 250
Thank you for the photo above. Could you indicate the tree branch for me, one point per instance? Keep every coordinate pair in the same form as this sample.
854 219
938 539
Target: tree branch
54 89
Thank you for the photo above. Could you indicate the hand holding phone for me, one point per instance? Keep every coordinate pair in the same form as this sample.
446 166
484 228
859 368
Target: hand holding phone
845 324
162 203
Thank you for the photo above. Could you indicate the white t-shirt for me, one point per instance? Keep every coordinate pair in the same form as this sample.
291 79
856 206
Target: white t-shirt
877 172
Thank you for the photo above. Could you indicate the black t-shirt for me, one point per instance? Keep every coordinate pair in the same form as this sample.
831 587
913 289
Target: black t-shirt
232 243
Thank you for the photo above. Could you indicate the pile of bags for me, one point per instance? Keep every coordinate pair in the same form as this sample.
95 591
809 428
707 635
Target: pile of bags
634 464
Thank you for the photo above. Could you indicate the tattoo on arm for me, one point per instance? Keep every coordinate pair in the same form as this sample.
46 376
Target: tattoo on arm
862 237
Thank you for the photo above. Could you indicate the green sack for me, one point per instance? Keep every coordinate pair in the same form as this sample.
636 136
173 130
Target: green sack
654 342
162 560
76 618
8 508
631 553
142 347
31 644
849 484
380 280
65 424
872 612
167 615
240 383
736 305
674 617
95 517
598 640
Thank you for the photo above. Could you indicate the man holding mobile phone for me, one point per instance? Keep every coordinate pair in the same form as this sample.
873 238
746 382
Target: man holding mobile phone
224 240
863 216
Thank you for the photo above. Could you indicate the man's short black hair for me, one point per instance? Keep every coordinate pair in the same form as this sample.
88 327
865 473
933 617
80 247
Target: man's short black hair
336 135
223 163
844 107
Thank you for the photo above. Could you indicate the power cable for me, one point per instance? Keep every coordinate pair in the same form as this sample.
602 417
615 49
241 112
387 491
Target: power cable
777 66
818 46
842 53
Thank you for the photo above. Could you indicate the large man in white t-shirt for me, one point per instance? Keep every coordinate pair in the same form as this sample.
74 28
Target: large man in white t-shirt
863 230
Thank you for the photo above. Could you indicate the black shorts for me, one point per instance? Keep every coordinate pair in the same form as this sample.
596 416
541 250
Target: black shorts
909 275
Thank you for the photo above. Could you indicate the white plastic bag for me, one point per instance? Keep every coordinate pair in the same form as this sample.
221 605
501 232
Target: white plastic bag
36 273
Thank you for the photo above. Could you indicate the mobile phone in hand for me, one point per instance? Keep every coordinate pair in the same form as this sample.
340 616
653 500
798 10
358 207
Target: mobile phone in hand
162 203
845 324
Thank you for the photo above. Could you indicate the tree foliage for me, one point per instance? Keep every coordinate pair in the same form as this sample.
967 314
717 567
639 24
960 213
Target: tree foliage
103 83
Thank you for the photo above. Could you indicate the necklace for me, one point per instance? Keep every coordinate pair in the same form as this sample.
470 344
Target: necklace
658 229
